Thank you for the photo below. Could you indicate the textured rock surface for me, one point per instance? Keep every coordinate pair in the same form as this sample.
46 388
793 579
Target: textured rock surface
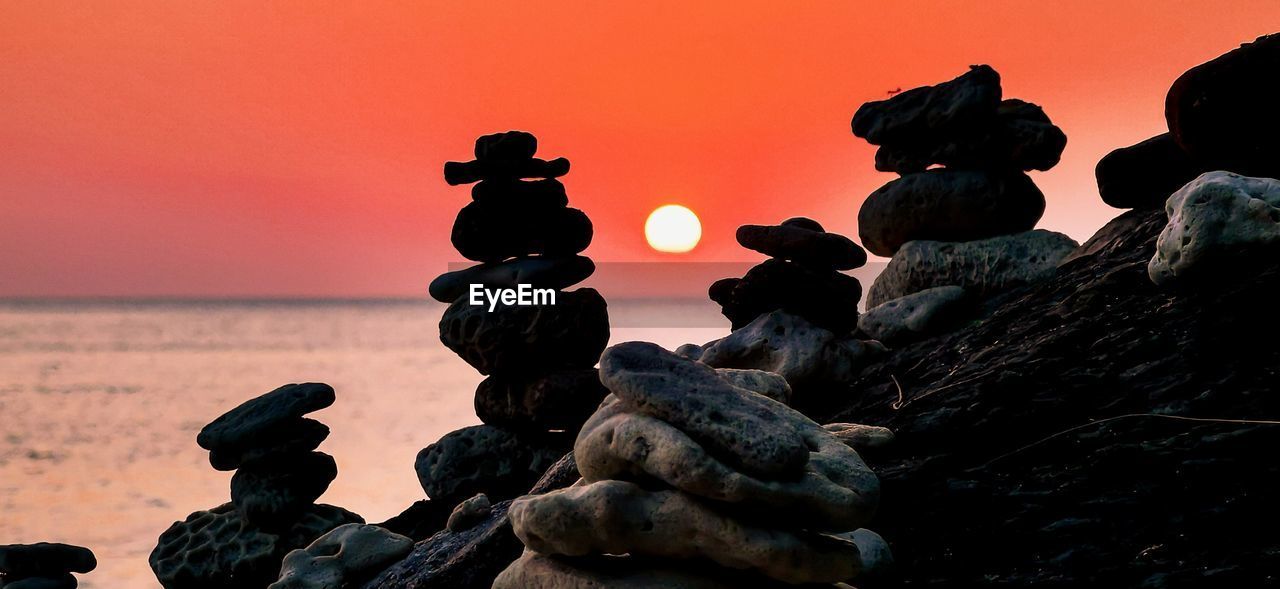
1217 222
341 558
469 513
538 272
982 268
919 314
798 241
1021 137
44 559
757 381
484 459
741 429
1145 174
492 232
535 571
948 205
273 493
258 418
569 334
919 114
824 297
559 400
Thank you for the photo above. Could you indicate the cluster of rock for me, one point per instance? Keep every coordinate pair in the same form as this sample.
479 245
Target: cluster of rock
969 222
539 359
690 481
270 445
43 565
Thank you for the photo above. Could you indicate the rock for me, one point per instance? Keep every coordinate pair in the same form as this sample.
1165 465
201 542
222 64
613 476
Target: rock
537 272
492 232
44 559
1020 138
861 437
757 381
826 298
420 520
533 194
982 268
877 560
805 246
1144 175
537 571
948 205
217 548
919 314
346 556
691 351
456 173
559 400
1217 222
515 339
272 493
484 459
617 517
469 513
62 581
803 223
288 437
1223 112
836 490
256 419
968 101
741 429
1118 233
809 357
511 145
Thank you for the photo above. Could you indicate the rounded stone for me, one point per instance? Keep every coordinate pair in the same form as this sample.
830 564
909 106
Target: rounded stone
484 459
1021 137
344 557
61 581
503 170
243 426
537 194
522 339
469 513
537 272
291 436
917 315
827 298
1217 223
560 400
511 145
491 232
273 493
1142 176
969 100
802 245
44 559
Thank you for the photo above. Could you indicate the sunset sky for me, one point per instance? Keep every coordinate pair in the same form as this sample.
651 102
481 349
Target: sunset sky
295 149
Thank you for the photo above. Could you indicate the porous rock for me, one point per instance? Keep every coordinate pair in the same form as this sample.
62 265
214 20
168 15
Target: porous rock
948 205
1020 138
484 459
469 513
513 339
44 559
492 232
803 245
982 268
559 400
757 381
289 437
272 493
1218 221
919 314
258 418
347 555
1145 174
969 100
826 298
537 272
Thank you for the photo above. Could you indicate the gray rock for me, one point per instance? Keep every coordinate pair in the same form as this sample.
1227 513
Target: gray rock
918 114
44 559
758 381
982 268
522 339
948 205
538 272
289 437
1021 137
1145 174
559 400
484 459
537 571
254 420
62 581
346 556
742 429
801 244
273 493
877 559
1218 220
469 513
917 315
690 351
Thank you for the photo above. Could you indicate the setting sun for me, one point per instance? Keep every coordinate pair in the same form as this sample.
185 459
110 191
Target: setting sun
672 229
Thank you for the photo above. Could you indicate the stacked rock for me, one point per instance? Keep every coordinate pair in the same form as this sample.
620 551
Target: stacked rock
690 481
539 358
278 476
981 194
43 565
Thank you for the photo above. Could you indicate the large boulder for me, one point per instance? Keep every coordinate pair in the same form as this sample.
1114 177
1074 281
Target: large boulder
1218 222
344 557
491 232
948 205
920 314
1145 174
919 114
484 459
514 339
982 268
1021 138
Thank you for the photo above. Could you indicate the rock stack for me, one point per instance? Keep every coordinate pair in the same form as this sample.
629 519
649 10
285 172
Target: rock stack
43 565
278 477
539 358
969 222
690 481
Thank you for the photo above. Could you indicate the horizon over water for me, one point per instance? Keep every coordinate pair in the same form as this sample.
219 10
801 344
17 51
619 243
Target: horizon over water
101 399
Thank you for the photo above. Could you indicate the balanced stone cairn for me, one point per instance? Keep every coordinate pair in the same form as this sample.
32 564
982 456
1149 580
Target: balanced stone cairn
690 481
278 477
539 358
43 565
969 222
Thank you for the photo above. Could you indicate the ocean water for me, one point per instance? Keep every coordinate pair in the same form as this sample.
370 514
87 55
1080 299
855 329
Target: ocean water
100 404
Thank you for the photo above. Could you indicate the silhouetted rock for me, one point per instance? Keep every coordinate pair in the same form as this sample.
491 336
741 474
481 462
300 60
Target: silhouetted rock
289 437
511 145
1145 174
537 272
919 314
559 400
1219 221
948 205
826 298
259 418
469 513
456 173
533 194
919 114
420 520
484 459
489 232
344 557
1021 137
521 339
273 493
803 245
22 561
61 581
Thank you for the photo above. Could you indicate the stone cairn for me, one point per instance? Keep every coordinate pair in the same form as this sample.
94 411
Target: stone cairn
968 222
690 481
278 477
539 359
43 565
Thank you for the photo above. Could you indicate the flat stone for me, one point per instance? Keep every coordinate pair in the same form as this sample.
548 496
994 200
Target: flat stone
291 436
535 194
764 383
948 205
493 232
241 427
537 272
63 581
1021 137
1145 174
510 145
742 429
522 339
803 245
559 400
484 459
917 315
618 517
45 560
456 173
1218 223
969 100
469 513
826 298
346 556
273 493
982 268
537 571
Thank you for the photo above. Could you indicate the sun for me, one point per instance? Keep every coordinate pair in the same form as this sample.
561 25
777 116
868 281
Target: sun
672 229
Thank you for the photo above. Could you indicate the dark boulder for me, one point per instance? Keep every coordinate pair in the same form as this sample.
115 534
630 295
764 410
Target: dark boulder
568 334
258 419
44 559
828 299
536 194
919 114
1021 137
456 173
511 145
291 436
492 232
272 493
1142 176
560 400
805 246
484 459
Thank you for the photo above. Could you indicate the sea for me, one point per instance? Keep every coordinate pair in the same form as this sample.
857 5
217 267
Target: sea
100 403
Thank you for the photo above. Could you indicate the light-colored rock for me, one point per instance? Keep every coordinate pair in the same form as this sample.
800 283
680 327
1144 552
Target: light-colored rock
877 559
982 267
617 517
919 314
537 571
346 555
1215 217
765 383
836 491
861 437
469 513
740 428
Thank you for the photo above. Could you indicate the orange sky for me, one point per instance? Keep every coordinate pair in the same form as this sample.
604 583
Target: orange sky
224 148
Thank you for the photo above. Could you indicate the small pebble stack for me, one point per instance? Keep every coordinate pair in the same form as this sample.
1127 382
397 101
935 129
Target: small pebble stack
980 194
539 358
43 565
279 476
